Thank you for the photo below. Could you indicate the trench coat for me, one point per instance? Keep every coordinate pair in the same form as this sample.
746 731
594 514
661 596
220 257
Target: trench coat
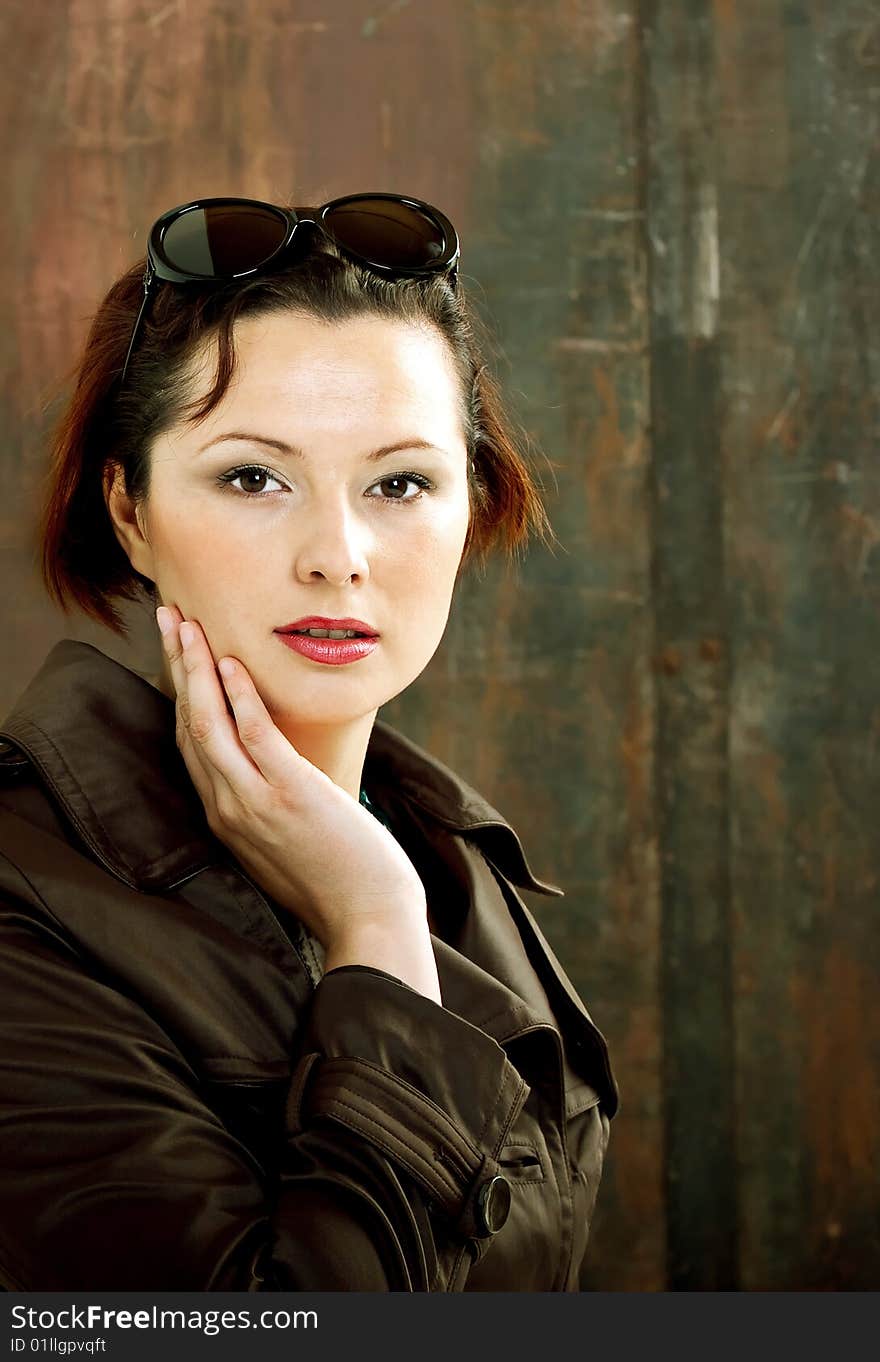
188 1102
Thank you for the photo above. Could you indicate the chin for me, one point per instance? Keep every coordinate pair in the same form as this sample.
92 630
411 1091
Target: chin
312 707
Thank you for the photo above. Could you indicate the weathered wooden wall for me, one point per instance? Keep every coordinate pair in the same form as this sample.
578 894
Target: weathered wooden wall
669 211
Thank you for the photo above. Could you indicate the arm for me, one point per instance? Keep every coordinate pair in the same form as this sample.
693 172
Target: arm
118 1175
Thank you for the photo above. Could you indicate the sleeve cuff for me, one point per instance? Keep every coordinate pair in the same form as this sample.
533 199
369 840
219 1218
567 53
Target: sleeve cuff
431 1091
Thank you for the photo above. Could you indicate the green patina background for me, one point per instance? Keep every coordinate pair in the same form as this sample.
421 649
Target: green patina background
669 213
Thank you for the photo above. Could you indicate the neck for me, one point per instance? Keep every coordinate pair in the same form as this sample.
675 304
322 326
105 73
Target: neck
339 750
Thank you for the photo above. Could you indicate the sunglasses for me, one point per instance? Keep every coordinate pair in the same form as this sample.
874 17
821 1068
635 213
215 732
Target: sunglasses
221 240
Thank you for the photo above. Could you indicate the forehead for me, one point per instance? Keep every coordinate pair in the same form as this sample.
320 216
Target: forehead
335 373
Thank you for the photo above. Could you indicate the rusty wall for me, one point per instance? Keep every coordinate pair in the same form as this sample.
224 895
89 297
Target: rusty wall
668 212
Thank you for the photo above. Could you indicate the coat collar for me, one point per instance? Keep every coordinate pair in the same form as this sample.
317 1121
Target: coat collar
133 801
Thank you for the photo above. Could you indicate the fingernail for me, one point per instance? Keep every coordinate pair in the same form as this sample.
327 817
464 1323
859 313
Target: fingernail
187 634
163 619
226 667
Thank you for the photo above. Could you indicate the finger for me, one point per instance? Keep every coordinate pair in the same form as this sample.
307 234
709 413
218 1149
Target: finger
174 651
211 780
210 726
171 644
261 746
272 753
169 619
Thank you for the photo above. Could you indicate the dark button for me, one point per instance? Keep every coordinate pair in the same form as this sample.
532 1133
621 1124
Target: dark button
13 763
493 1204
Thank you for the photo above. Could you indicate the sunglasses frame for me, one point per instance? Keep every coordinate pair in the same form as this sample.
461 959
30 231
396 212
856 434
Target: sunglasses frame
159 267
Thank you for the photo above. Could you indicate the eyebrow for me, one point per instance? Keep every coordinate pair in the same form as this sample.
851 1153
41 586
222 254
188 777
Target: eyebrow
294 452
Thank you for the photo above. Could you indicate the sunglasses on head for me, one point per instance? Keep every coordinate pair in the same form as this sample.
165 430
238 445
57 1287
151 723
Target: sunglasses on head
221 240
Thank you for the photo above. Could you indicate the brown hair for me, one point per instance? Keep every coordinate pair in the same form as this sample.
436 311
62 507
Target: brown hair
81 558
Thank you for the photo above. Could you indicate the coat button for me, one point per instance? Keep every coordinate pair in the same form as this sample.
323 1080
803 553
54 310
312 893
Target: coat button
493 1204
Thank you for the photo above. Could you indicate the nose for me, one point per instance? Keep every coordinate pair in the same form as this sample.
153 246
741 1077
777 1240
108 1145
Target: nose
333 541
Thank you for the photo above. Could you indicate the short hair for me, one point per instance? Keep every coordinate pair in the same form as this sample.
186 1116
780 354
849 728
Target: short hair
101 427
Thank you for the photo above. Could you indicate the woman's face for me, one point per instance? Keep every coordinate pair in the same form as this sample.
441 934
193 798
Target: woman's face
332 527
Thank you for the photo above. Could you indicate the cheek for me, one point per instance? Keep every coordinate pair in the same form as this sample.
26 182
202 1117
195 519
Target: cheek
422 587
427 560
441 536
199 539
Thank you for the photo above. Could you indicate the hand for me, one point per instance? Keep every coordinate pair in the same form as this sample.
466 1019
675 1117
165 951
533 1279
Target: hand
304 840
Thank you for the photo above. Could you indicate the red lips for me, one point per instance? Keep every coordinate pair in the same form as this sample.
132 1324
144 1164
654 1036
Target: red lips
322 622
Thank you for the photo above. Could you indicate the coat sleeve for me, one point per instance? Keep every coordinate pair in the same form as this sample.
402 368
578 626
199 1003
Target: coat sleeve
117 1173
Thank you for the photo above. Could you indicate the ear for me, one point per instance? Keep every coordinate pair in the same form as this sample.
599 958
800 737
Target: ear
127 518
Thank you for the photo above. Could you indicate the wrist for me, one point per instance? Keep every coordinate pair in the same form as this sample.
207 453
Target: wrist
398 947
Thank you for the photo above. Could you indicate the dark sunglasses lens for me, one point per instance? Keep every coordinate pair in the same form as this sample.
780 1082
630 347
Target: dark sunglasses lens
386 233
223 240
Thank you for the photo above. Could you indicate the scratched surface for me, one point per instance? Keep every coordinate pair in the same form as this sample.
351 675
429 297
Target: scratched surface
669 213
799 201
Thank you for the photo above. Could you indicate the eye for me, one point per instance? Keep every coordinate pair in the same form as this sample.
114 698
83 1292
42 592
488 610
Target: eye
397 480
248 471
252 472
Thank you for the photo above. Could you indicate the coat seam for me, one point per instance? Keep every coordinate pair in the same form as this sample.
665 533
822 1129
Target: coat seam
449 1185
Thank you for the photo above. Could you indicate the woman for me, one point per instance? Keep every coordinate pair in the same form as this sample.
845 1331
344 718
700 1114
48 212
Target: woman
276 1015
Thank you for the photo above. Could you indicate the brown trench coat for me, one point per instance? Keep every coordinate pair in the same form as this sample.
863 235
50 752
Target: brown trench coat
186 1103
